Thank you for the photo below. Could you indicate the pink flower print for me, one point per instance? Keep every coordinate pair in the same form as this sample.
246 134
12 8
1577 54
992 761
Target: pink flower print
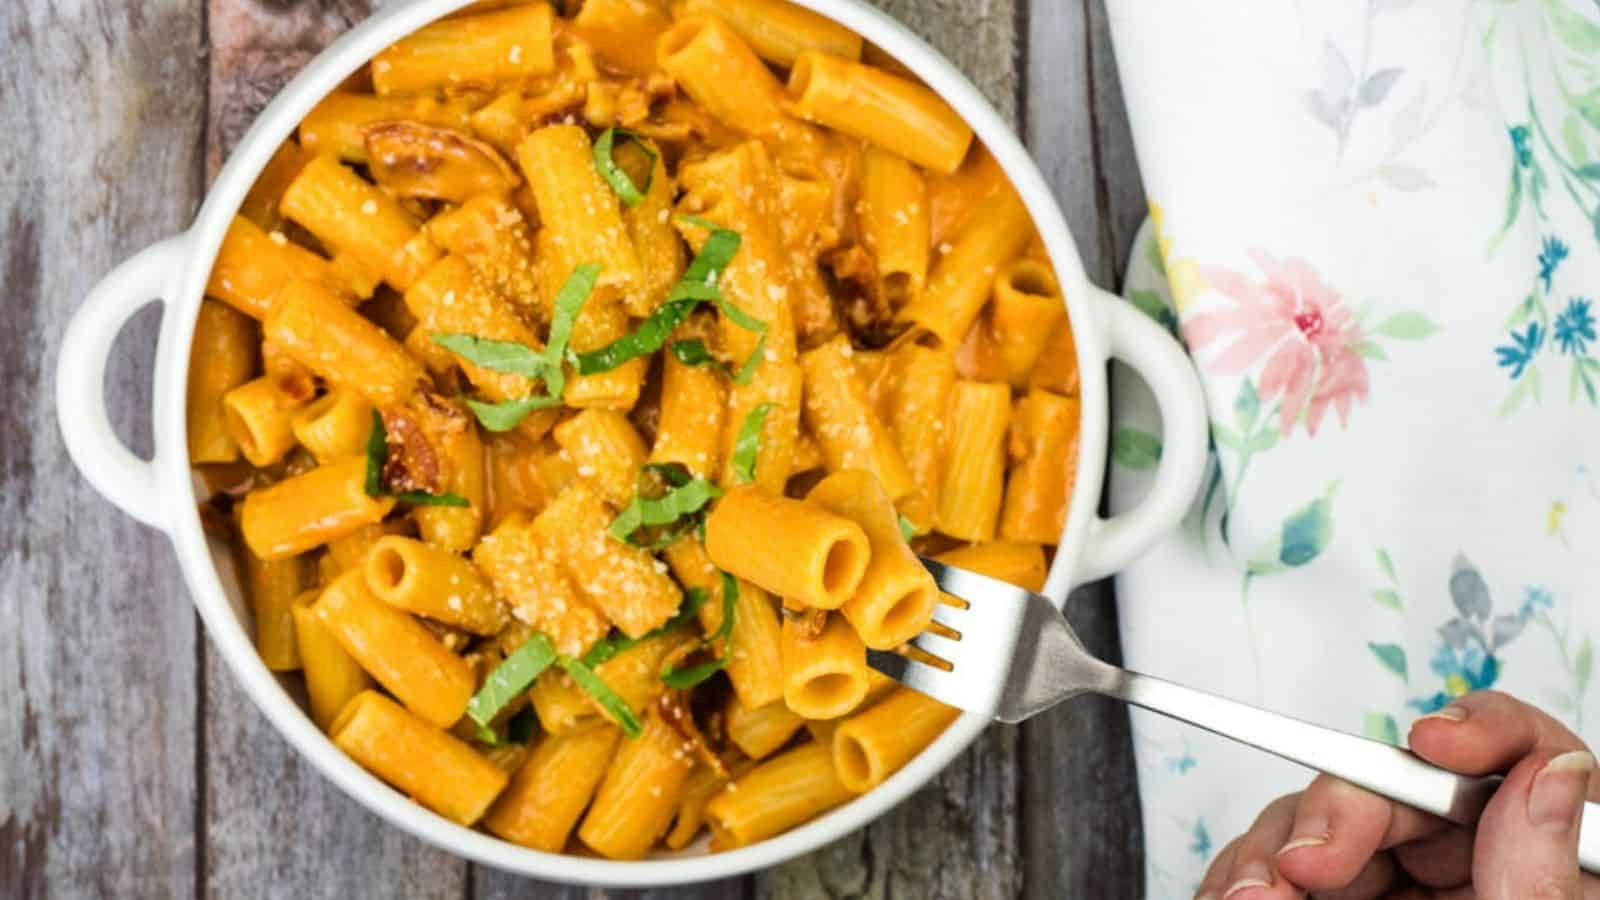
1294 322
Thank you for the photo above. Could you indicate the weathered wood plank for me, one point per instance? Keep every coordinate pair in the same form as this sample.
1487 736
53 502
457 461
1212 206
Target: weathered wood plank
103 105
273 826
1080 814
957 838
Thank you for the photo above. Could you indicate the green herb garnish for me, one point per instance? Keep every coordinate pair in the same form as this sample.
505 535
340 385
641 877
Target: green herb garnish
907 530
694 675
608 699
693 599
748 445
509 679
605 162
693 352
513 358
378 454
679 505
698 285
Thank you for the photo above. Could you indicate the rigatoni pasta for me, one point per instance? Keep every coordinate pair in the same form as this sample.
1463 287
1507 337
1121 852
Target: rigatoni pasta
595 394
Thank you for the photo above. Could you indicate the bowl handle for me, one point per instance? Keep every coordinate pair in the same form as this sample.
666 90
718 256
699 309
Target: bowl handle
1161 361
107 463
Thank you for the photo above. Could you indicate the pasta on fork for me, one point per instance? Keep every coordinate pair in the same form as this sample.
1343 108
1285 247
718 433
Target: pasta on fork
578 392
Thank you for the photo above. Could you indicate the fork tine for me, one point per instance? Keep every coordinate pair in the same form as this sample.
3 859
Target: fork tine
918 676
935 644
952 617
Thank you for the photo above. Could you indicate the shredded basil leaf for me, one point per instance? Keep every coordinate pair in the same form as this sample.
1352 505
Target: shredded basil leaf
508 414
730 599
748 445
693 352
378 454
693 599
907 530
608 699
420 498
569 302
688 678
646 339
486 735
510 357
683 500
683 679
520 359
509 679
715 255
605 162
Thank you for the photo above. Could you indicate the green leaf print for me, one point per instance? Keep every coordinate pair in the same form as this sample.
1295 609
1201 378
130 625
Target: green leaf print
1135 449
1370 350
1393 657
1148 302
1386 564
1246 406
1584 666
1226 437
1387 597
1152 255
1307 533
1577 32
1381 727
1407 326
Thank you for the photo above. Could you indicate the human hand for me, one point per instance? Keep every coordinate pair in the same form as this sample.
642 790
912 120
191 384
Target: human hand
1335 841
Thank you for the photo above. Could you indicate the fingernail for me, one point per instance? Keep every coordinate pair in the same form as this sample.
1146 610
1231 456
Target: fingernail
1311 840
1446 714
1558 791
1251 875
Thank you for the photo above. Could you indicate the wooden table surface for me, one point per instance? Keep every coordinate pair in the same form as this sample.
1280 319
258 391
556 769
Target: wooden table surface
131 765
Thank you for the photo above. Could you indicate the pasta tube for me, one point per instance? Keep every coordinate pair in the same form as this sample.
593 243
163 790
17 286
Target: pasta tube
1025 311
780 31
435 769
335 425
894 224
426 581
548 794
338 343
761 731
840 414
272 586
823 676
753 649
920 380
338 123
809 555
1021 564
306 511
606 449
333 676
476 51
639 795
1044 453
1057 366
785 791
352 216
693 404
962 279
894 602
869 747
892 112
969 499
252 266
619 578
260 414
396 650
222 357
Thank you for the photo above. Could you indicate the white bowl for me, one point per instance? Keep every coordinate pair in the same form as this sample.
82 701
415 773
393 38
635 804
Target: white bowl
162 493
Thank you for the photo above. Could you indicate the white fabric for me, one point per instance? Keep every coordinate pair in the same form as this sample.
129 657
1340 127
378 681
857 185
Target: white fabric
1380 224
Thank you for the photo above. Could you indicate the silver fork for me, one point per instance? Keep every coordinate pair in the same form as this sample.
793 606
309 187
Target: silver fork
1013 655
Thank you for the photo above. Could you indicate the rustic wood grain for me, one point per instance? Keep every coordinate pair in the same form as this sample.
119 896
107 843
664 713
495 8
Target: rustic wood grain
1080 815
101 103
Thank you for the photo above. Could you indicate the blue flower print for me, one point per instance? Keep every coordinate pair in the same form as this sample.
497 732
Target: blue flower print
1201 845
1535 598
1574 327
1522 349
1519 145
1464 670
1550 257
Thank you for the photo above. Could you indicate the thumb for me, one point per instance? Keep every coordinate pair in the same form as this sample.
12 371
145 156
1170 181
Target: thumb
1527 843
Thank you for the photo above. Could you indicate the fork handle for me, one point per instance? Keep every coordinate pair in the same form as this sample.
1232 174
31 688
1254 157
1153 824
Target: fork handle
1391 771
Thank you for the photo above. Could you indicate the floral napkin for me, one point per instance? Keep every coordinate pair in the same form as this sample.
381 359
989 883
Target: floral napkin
1376 225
